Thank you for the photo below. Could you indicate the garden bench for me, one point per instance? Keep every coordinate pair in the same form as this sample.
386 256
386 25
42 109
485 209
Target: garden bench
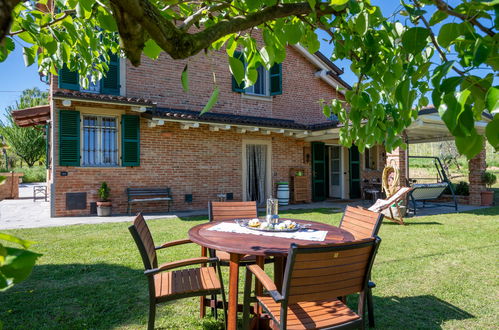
138 195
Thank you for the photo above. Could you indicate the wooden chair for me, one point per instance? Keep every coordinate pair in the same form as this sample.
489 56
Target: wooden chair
382 205
314 276
220 211
165 284
363 224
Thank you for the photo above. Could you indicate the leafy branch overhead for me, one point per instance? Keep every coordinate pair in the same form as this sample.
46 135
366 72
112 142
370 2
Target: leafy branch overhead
426 52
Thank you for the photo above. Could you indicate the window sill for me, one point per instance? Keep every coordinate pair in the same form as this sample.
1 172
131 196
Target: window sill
102 167
256 97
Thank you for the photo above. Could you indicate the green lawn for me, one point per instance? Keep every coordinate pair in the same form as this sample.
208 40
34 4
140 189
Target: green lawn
436 272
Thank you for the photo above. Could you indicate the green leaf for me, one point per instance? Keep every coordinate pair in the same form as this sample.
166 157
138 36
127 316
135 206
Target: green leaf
492 132
6 47
267 55
107 22
338 2
17 265
361 24
211 102
311 3
402 94
237 69
480 53
185 79
448 33
29 55
414 39
492 99
293 33
151 49
437 17
469 146
24 243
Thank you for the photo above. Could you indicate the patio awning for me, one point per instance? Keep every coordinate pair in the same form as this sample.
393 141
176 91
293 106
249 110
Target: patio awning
429 127
38 115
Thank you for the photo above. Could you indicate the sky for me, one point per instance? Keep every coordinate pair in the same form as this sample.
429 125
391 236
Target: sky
15 76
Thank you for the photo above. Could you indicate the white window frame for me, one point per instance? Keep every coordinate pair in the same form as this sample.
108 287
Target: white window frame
99 153
266 87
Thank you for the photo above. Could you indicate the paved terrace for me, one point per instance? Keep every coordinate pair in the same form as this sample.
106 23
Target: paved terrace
25 213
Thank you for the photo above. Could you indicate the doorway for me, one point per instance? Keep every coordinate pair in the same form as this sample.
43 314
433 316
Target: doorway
256 173
335 173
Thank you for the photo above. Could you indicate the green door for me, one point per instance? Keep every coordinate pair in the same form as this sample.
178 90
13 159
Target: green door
318 171
354 160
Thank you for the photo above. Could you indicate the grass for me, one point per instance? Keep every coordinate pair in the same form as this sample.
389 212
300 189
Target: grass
436 272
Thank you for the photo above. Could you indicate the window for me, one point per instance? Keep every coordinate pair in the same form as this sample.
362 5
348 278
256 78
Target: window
269 82
371 158
261 86
92 87
99 146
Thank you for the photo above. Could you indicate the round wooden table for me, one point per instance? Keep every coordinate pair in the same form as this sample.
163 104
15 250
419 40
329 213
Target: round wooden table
238 245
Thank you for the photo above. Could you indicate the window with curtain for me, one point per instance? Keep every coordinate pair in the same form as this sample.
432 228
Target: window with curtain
100 141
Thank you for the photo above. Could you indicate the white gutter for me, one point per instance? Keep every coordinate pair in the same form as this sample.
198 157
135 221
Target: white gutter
322 67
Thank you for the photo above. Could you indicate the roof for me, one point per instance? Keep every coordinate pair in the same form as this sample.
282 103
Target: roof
225 118
94 97
33 116
431 110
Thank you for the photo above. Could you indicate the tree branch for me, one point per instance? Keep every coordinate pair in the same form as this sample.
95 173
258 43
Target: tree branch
442 6
6 7
139 19
66 14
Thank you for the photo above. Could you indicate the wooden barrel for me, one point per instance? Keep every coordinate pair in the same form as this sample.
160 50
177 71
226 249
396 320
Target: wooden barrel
283 193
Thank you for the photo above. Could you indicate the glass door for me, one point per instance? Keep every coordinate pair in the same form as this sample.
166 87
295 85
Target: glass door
335 173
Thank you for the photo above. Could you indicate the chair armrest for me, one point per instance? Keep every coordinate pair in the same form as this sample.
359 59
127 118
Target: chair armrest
266 281
180 263
173 243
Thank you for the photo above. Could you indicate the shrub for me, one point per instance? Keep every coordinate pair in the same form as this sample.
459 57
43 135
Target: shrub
103 192
462 189
489 179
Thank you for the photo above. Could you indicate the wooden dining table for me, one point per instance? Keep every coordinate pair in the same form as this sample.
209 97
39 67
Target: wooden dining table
239 245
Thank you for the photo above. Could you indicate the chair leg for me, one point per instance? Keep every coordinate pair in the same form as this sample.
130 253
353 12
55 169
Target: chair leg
214 309
370 308
152 315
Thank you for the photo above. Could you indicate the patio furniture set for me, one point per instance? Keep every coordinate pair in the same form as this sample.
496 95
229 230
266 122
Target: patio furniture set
315 268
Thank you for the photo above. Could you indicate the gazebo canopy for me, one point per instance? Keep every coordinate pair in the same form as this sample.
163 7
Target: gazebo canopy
38 115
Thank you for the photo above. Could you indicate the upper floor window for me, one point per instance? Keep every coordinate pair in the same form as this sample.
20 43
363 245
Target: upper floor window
107 85
269 82
100 141
371 158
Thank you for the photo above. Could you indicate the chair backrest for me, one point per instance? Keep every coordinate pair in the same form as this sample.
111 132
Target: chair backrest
360 222
321 272
382 204
219 211
143 238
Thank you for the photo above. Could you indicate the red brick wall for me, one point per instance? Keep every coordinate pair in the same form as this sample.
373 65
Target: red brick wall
159 81
477 167
194 161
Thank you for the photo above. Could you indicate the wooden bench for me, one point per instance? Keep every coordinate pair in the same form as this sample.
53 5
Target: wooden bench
138 195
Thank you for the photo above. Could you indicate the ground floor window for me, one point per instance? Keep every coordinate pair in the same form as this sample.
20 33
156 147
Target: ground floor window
100 141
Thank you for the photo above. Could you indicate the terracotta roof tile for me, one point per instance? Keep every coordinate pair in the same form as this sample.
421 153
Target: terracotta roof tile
224 118
93 97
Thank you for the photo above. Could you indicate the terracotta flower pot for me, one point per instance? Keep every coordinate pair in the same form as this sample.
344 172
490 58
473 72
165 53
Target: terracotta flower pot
487 197
104 208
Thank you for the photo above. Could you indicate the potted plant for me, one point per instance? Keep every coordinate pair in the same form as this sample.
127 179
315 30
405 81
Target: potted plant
104 204
489 179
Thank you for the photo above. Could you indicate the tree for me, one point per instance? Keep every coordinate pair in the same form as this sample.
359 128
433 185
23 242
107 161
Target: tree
26 142
448 52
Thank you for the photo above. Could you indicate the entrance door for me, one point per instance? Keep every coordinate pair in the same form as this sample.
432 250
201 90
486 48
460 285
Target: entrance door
335 172
318 171
256 172
354 162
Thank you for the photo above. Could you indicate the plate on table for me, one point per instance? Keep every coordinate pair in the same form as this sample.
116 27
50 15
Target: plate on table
261 225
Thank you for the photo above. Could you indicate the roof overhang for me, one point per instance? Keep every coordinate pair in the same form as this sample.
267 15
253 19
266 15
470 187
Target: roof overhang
327 71
137 104
34 116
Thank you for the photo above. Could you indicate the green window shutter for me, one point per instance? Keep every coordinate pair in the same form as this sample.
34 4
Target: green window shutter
110 84
69 138
130 140
68 79
239 88
276 79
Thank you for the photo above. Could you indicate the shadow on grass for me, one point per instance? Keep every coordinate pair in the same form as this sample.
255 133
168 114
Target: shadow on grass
418 312
486 211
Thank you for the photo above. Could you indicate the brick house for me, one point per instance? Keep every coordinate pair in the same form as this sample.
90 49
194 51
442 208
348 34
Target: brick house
138 128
